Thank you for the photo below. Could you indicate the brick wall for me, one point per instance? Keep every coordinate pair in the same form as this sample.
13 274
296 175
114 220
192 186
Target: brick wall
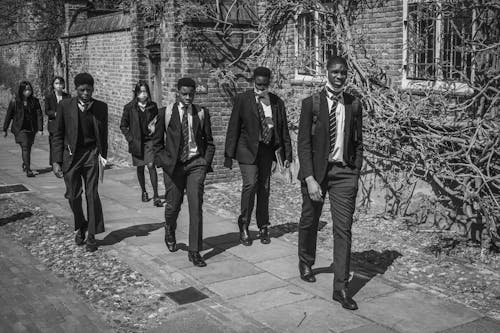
108 57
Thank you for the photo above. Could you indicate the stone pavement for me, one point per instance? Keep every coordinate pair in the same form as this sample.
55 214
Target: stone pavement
250 289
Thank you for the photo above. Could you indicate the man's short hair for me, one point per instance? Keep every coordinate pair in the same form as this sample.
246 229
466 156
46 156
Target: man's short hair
262 71
84 78
336 60
186 82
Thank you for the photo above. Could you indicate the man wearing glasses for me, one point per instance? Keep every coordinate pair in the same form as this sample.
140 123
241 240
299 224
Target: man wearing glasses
256 133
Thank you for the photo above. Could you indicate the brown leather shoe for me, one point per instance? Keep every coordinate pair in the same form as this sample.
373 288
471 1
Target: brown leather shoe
306 272
80 236
91 245
342 296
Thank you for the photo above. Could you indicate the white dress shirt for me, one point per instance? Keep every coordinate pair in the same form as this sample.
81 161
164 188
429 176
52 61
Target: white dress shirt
193 149
337 155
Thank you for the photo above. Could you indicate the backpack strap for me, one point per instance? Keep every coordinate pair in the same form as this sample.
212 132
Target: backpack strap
168 114
201 114
315 111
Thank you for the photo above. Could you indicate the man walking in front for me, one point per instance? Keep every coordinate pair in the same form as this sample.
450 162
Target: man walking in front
256 133
330 150
80 144
184 148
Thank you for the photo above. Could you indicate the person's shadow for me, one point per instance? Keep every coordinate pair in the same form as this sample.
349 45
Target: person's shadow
14 218
221 243
139 230
365 265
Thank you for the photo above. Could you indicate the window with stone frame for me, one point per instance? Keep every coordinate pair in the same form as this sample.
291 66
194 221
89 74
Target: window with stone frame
437 39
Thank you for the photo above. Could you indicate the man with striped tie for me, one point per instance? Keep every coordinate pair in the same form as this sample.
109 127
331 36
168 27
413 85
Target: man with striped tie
184 148
256 133
330 150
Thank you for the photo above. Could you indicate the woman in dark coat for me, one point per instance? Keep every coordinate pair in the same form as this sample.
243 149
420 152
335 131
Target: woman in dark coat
51 100
26 116
137 124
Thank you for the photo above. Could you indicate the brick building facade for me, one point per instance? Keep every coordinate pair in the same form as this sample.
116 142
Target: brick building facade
120 48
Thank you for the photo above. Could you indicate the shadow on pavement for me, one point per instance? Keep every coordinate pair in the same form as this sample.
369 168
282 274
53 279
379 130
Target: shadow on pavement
365 265
43 170
140 230
224 242
14 218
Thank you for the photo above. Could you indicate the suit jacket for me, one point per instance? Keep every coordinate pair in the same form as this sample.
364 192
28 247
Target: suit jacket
130 126
66 130
166 142
313 150
15 113
51 108
242 138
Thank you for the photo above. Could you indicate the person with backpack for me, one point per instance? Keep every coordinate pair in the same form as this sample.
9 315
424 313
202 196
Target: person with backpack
138 117
257 135
184 148
330 150
25 113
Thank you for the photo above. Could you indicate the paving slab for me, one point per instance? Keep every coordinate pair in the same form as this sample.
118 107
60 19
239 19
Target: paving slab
312 315
411 311
287 267
246 285
372 328
259 252
482 325
222 270
271 298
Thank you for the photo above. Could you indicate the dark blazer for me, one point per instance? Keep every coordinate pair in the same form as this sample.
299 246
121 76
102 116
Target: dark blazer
51 108
313 150
66 130
166 143
130 126
15 113
242 138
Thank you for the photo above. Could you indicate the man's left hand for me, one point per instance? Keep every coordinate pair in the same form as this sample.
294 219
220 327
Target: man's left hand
286 164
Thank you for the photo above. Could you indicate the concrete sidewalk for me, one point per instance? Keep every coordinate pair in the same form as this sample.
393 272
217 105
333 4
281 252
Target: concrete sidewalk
250 289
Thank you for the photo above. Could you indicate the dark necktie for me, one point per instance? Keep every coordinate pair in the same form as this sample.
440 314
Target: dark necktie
333 120
185 135
265 130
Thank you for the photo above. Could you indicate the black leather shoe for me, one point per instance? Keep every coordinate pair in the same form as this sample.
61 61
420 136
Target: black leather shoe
306 272
244 234
264 235
170 239
343 298
196 259
91 245
29 173
145 197
157 202
80 236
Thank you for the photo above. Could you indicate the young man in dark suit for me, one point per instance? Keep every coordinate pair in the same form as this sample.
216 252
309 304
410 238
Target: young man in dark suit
80 144
257 129
330 149
51 100
184 148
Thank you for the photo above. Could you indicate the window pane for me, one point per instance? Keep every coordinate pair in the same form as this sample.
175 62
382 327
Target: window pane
456 55
421 41
306 44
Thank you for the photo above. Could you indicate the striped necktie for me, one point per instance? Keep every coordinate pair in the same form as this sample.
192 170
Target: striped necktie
185 135
332 117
